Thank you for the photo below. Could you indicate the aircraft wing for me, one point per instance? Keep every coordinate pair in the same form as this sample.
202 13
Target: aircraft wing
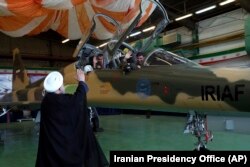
70 18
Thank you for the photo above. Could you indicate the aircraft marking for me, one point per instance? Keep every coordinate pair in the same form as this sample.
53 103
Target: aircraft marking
221 93
143 88
165 90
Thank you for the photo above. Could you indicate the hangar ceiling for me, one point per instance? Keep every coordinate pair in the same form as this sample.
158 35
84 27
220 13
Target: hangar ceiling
183 7
179 8
174 9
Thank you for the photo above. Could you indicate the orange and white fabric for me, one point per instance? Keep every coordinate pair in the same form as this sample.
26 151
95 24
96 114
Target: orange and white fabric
70 18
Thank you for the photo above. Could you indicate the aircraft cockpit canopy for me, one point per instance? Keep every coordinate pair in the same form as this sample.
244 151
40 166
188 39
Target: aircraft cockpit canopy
163 57
138 26
113 48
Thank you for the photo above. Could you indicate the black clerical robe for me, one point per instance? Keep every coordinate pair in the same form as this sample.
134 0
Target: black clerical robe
66 138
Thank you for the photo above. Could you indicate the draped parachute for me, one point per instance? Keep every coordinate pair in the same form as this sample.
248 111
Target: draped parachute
70 18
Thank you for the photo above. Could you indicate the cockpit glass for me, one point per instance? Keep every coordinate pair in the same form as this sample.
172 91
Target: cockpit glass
162 57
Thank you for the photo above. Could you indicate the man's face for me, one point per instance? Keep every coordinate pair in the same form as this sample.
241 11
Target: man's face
99 58
99 62
140 59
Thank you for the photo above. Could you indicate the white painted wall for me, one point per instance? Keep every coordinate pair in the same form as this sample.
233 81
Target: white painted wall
186 34
219 26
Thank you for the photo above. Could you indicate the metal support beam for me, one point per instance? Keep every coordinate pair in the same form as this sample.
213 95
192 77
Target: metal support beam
213 41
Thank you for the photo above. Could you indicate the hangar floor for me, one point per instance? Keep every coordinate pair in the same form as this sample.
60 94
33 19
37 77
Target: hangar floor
121 132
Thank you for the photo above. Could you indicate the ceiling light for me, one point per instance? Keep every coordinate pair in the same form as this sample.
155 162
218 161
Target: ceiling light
184 17
134 34
226 2
66 40
148 29
102 45
205 9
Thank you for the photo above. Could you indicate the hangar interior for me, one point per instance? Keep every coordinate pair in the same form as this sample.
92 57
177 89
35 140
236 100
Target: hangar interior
218 37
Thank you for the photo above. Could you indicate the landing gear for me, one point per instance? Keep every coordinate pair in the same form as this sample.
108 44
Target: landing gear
197 125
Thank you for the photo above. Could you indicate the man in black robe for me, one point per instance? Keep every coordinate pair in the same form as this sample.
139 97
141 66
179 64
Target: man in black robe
66 138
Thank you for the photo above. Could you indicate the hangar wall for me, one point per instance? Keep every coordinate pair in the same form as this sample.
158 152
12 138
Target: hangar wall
31 47
222 37
224 25
218 38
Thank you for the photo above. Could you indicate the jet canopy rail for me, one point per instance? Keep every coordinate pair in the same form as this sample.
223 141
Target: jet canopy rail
163 57
85 51
90 31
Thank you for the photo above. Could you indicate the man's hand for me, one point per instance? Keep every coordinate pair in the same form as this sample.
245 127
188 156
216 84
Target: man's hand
128 55
80 76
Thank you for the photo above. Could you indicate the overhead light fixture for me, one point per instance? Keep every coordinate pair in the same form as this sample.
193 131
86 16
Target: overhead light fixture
184 17
66 40
205 9
226 2
134 34
148 29
102 45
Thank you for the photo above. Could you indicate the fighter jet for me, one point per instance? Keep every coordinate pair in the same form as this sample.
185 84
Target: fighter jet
165 82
